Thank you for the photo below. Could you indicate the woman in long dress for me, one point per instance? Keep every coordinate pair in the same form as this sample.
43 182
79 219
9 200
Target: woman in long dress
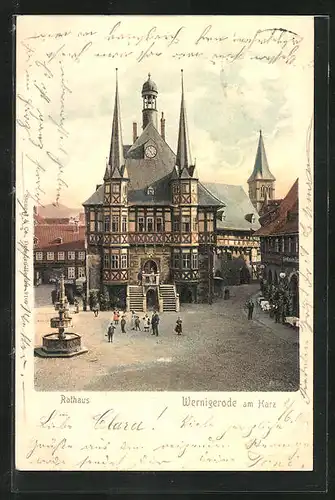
132 322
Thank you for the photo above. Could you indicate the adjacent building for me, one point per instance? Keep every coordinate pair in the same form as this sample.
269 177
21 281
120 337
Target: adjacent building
60 249
237 250
279 240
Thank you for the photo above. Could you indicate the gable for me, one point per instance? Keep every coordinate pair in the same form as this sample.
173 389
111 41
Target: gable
143 171
237 207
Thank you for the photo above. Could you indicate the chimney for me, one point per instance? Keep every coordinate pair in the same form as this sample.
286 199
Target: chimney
163 126
134 131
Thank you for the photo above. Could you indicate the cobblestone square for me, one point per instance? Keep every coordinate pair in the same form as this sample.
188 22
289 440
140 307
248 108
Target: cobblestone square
219 350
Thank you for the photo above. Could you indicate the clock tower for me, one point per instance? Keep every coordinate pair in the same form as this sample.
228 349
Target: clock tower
149 95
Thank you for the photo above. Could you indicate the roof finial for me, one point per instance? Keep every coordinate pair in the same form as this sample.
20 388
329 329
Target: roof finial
260 131
149 75
116 78
182 81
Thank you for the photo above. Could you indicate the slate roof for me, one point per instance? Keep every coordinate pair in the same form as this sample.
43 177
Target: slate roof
47 235
237 207
161 195
285 220
149 86
207 198
116 164
261 167
96 198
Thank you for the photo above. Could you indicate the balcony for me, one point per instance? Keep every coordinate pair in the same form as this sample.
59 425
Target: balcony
151 279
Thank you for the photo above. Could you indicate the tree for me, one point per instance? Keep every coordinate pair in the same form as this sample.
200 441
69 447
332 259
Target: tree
70 295
104 299
93 298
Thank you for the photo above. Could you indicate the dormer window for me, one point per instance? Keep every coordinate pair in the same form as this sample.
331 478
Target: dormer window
150 191
222 215
59 241
35 241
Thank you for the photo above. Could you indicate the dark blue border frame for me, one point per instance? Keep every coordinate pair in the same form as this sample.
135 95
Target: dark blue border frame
175 482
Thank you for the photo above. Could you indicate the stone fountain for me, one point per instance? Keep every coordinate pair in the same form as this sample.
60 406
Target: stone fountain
62 344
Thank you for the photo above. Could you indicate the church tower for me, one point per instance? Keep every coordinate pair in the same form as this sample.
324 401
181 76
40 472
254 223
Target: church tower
149 95
262 181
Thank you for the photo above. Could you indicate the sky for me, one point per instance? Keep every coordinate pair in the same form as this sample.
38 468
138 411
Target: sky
240 75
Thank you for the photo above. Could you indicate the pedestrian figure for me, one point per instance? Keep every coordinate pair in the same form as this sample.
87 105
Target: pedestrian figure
226 294
116 317
132 323
151 322
123 324
137 323
76 304
179 326
110 332
250 306
95 310
277 313
139 277
154 324
146 323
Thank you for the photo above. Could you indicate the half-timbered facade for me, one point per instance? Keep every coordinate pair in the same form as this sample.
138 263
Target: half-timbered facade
59 249
279 237
151 224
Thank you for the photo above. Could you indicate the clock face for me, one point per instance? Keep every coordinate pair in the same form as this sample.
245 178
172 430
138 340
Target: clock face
150 152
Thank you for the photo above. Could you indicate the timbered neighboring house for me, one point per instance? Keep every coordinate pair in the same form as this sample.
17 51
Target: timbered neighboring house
151 224
59 249
279 237
237 252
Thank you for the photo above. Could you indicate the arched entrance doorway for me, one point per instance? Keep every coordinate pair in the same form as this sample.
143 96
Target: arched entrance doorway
149 266
152 300
294 293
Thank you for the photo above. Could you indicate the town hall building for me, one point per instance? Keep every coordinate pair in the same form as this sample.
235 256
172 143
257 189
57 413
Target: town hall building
152 225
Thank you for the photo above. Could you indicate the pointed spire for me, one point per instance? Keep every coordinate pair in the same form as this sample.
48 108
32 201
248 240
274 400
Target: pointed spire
184 158
107 171
116 159
261 167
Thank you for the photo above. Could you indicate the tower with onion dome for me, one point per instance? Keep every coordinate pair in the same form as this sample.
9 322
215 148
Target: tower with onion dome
149 96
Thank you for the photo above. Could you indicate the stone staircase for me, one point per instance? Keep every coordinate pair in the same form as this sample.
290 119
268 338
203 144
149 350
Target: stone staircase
170 298
135 297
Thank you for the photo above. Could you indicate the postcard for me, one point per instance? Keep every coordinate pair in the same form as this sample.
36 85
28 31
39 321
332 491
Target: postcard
164 243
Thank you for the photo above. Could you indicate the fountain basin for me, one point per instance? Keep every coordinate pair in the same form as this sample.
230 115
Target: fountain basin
54 347
64 323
